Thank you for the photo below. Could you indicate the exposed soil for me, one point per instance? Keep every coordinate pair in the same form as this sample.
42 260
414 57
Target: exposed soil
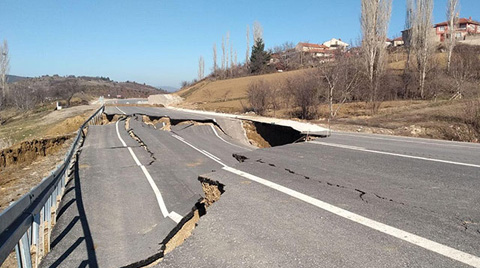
19 178
212 189
156 121
109 119
253 137
183 233
28 151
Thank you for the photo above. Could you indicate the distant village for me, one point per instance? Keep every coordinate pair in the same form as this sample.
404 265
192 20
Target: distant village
467 32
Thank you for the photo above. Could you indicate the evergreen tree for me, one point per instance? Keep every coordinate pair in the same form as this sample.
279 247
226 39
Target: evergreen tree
259 57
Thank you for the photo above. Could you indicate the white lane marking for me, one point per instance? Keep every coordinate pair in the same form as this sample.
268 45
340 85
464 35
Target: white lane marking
408 139
386 229
118 134
216 134
394 154
120 110
134 157
160 201
158 195
175 216
180 138
209 155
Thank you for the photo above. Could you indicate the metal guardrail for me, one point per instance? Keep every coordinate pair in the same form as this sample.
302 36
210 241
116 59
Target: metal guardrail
26 225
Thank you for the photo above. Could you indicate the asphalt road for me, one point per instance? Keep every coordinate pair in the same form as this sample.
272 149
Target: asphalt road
350 200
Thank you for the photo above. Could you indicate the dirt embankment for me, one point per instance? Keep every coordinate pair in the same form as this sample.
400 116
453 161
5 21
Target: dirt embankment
28 151
26 164
41 140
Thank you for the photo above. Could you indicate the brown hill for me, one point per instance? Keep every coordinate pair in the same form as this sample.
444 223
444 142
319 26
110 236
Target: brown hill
93 86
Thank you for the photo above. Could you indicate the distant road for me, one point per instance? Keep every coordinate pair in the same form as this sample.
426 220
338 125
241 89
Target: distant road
350 200
126 101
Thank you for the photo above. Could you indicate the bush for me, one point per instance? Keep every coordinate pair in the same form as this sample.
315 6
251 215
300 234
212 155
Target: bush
305 93
258 94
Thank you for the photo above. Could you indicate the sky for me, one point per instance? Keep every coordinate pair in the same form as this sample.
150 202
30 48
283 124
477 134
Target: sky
159 42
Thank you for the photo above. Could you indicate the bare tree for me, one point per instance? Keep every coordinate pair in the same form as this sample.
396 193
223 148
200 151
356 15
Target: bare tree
258 93
274 96
25 97
247 54
4 69
452 20
201 68
215 59
422 41
374 20
67 89
341 77
464 68
226 55
257 31
408 48
235 59
305 92
223 53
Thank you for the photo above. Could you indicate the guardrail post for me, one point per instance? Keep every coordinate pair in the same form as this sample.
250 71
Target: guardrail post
48 217
53 202
41 235
24 259
35 238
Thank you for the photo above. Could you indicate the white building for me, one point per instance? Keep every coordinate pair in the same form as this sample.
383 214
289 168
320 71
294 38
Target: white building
336 44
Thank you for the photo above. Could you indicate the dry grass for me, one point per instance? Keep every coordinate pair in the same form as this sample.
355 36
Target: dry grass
36 124
427 119
225 95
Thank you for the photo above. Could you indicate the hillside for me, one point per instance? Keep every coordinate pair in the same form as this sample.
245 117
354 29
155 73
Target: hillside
439 117
225 95
15 78
94 86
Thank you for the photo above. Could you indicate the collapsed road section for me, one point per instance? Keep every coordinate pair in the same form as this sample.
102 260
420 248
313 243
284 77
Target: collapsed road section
110 217
257 132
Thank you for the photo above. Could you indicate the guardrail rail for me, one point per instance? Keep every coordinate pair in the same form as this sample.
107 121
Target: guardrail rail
26 225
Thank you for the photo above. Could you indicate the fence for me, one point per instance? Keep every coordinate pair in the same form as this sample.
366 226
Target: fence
27 224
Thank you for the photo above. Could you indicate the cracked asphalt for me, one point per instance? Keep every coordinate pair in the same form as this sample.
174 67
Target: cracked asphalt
392 180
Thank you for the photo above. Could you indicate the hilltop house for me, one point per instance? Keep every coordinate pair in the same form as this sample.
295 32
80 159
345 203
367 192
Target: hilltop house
398 42
464 27
314 50
336 44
